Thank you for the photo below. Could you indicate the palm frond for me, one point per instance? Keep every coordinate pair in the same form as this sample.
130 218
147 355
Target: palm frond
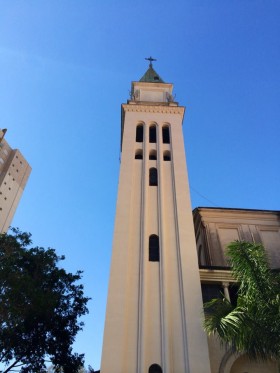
252 326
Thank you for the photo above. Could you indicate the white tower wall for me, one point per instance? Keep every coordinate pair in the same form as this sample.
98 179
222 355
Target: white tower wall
154 308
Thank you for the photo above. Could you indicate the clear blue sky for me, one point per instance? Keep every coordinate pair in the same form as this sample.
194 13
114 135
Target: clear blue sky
66 67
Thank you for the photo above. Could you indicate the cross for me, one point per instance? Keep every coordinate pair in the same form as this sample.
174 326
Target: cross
151 59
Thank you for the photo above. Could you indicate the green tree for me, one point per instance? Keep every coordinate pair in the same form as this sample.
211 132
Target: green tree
252 326
51 369
40 304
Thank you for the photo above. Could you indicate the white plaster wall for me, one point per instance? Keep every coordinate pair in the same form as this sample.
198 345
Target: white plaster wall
154 309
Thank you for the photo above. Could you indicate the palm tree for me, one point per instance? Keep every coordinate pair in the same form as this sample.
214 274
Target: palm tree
253 325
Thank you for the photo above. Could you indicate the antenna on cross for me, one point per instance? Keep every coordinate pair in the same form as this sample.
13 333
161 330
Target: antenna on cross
151 59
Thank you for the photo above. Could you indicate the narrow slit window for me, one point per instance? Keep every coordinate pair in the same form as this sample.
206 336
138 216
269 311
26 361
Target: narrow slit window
167 156
139 133
153 248
165 135
153 177
153 134
139 154
153 155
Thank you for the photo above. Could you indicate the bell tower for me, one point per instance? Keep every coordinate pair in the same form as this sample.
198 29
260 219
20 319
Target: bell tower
154 307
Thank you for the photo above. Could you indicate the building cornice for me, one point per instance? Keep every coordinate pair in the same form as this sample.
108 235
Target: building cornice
152 84
163 109
223 214
216 275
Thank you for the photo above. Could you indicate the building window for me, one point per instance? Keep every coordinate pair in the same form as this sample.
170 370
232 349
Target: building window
153 178
153 134
153 248
165 135
211 291
155 368
153 155
139 133
139 154
214 291
166 156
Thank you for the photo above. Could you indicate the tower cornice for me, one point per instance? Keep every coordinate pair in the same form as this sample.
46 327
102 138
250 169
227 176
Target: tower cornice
163 109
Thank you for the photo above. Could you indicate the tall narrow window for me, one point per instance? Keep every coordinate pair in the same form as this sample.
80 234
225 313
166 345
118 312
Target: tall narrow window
139 133
153 134
153 178
165 135
139 154
153 248
166 156
153 155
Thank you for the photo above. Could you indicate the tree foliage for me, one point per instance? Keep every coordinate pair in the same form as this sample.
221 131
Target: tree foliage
51 369
40 304
252 326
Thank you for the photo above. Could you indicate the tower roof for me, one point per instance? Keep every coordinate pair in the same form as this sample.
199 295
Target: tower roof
151 76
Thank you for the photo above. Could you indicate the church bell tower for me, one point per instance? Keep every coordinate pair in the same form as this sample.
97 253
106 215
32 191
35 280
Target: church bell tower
154 307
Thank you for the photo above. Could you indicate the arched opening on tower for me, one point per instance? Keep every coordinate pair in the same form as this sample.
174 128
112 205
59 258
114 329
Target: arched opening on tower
139 154
166 155
152 134
153 177
139 133
153 248
153 155
155 368
165 135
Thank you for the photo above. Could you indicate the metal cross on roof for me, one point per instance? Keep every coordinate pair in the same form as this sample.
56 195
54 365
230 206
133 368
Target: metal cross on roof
151 59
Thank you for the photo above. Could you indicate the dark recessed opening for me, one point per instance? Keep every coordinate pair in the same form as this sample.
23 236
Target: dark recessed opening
153 155
166 156
153 178
139 133
153 248
155 368
139 154
153 134
165 135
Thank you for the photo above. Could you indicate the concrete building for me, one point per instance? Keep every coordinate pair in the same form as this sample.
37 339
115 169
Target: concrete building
14 173
154 307
215 228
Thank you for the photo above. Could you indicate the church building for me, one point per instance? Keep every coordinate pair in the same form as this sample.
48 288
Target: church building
166 257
